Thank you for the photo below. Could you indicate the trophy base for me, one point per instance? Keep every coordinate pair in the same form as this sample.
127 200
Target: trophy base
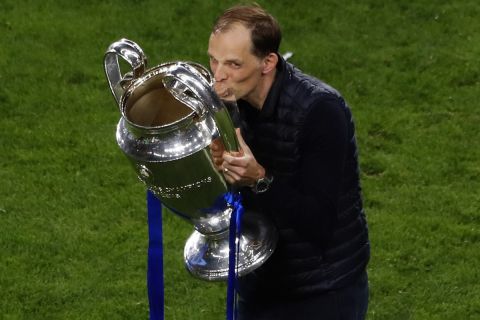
206 255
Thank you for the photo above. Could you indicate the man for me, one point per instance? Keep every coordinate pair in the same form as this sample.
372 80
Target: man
298 165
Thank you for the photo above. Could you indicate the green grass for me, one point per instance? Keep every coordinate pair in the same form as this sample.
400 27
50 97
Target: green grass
73 232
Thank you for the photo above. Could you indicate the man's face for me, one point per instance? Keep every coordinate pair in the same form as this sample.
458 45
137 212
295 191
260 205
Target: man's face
236 70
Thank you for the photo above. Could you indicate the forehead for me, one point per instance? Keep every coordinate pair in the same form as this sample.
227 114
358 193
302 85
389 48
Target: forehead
231 43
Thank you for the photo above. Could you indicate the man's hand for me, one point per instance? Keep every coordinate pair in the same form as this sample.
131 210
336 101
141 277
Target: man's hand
216 150
241 168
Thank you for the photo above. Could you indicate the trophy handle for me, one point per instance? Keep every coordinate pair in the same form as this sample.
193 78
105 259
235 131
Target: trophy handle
189 83
133 55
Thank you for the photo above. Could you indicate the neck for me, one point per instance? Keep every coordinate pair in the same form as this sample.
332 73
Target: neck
257 98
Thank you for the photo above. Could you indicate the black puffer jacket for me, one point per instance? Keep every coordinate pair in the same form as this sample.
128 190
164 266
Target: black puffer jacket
304 135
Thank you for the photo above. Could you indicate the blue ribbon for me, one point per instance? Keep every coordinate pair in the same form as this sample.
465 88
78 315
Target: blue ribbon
155 282
234 199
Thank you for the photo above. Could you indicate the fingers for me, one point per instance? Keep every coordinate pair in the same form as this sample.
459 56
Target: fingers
236 160
241 141
238 168
216 145
231 176
218 163
216 151
237 172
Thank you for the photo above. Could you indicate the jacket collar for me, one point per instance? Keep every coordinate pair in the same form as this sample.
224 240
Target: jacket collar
274 94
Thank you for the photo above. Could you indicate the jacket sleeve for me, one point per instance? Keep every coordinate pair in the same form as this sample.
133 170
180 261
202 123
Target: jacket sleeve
312 206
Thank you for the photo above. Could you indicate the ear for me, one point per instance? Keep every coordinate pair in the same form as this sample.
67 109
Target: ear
269 63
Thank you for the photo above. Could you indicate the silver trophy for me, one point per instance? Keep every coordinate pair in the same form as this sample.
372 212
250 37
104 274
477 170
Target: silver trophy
170 115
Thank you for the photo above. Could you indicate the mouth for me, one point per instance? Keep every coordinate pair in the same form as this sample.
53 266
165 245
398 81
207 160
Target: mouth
223 91
228 92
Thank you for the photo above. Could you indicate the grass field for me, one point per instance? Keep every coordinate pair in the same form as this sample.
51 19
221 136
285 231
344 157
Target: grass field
73 232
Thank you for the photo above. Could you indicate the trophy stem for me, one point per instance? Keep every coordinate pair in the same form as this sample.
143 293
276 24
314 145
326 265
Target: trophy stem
207 255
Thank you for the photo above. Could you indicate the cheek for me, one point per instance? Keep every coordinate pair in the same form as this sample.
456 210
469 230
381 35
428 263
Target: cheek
249 80
244 76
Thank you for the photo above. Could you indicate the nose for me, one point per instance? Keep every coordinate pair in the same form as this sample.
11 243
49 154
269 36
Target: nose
219 73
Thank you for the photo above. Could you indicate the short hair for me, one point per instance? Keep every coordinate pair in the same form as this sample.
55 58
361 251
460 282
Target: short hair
265 30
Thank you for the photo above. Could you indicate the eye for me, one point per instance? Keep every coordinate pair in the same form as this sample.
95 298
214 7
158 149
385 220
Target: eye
235 65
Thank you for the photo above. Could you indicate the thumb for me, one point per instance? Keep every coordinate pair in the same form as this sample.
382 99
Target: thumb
241 141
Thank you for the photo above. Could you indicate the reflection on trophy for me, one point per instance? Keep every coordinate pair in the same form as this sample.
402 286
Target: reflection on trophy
170 115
